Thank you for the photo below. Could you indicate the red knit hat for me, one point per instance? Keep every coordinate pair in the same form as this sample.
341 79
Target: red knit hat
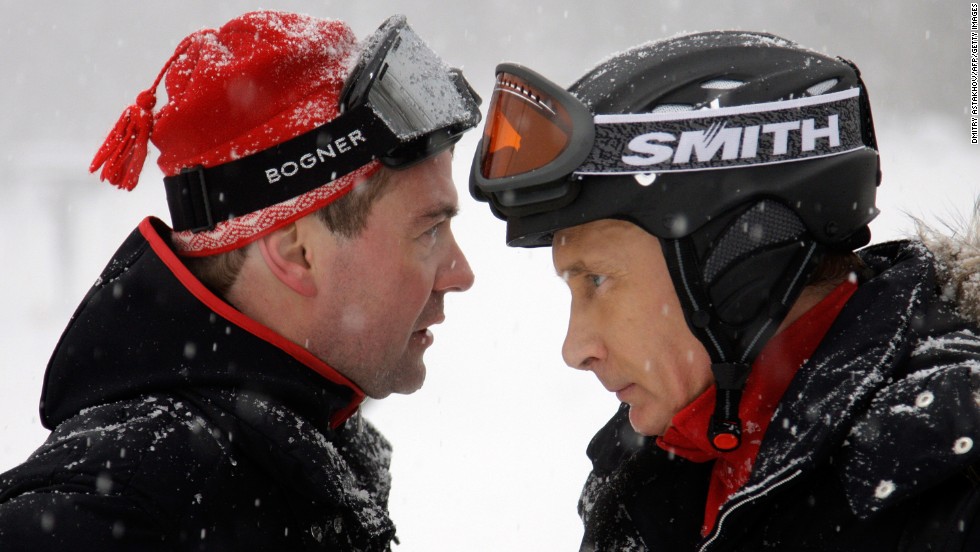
263 78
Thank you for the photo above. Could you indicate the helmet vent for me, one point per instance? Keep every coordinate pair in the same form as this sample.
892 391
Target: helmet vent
821 87
721 84
672 108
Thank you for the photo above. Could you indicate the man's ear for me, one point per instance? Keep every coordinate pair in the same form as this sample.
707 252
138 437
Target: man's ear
284 253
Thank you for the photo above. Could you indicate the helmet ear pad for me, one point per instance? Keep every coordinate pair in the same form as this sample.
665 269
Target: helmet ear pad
746 289
741 274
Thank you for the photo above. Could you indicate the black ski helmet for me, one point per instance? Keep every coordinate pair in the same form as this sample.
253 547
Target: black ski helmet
740 242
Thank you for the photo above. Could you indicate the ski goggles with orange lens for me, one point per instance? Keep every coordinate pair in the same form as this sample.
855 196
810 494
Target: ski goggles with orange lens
536 134
539 140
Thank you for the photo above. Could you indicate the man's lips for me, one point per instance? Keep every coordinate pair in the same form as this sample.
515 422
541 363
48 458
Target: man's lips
615 387
437 320
621 393
424 335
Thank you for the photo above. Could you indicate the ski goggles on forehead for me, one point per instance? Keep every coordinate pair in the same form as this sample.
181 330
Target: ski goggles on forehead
539 140
425 105
400 105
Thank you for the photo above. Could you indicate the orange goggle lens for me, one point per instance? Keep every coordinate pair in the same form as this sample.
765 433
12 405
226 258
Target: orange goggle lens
525 129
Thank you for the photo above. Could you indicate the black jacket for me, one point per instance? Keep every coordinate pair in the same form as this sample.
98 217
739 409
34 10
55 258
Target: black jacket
180 424
875 445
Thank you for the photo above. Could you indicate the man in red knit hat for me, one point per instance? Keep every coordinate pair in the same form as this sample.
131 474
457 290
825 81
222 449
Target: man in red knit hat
205 394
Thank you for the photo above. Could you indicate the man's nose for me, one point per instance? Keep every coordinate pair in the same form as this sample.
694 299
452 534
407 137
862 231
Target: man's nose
455 274
583 346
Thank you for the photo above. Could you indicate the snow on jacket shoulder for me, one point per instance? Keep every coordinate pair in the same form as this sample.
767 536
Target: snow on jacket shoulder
176 427
171 473
872 448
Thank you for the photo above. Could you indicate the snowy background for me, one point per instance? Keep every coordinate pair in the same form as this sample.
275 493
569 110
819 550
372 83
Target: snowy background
489 455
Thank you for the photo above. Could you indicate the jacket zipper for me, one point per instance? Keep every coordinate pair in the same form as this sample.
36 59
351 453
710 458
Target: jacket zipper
747 499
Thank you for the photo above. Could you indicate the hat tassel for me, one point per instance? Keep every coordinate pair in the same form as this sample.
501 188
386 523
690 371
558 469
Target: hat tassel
124 151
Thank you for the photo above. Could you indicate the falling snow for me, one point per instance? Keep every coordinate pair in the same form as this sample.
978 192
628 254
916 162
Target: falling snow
76 224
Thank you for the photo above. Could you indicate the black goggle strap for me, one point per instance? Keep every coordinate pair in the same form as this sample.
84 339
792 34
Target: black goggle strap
200 197
727 137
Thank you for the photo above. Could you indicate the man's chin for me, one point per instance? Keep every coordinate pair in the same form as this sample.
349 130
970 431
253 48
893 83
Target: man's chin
409 389
645 423
409 382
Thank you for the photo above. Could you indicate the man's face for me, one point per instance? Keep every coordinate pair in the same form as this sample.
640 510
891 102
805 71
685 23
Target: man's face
626 324
385 287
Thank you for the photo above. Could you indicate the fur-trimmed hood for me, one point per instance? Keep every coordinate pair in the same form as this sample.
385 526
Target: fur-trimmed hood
957 252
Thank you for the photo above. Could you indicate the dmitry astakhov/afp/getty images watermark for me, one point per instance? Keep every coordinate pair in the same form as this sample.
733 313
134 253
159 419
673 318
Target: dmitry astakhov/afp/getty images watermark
974 39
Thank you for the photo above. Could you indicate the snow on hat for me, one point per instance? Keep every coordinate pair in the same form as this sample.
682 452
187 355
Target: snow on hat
263 78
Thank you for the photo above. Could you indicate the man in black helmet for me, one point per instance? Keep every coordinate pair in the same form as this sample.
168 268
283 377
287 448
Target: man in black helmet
703 197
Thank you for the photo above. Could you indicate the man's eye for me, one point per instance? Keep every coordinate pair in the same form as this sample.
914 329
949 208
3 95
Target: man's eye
430 235
596 280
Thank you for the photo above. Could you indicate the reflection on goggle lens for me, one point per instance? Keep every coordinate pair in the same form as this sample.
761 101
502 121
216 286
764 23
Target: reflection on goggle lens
415 92
525 130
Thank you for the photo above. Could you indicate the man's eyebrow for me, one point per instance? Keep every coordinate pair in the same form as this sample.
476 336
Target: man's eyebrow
440 212
588 266
572 270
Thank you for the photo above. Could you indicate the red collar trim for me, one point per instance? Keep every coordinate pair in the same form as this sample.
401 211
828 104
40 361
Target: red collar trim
231 314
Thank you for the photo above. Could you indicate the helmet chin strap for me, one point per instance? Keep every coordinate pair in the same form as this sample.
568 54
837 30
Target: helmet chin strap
725 429
736 282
